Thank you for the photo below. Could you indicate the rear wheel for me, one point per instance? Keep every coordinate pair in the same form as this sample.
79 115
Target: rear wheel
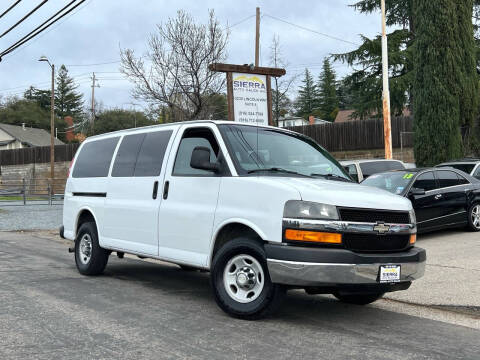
358 299
241 283
474 217
90 258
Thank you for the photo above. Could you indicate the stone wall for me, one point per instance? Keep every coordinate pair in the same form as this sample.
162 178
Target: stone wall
37 177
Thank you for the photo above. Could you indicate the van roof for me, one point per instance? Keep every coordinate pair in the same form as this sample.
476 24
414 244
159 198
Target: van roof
217 122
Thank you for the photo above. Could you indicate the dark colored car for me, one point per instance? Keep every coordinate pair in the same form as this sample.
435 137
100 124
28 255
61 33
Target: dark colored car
441 197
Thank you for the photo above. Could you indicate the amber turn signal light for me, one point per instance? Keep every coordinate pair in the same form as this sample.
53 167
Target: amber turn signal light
413 239
313 236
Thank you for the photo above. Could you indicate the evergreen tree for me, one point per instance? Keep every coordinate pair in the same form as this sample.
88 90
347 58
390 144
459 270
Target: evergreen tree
468 91
307 97
68 102
327 93
436 84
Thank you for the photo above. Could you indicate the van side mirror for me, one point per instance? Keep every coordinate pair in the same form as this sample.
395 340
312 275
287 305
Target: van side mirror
201 160
416 191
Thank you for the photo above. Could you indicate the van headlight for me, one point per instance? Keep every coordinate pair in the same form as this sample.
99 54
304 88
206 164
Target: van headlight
297 209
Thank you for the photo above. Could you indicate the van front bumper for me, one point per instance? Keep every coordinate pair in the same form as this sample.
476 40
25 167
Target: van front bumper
307 266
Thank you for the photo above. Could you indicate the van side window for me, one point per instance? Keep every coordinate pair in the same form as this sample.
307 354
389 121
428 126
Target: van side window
127 153
191 139
94 158
150 158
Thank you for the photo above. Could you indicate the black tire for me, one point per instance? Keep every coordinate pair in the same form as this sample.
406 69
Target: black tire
471 225
358 299
99 257
268 299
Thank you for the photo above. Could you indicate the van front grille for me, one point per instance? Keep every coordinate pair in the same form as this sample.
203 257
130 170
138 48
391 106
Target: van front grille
373 216
375 243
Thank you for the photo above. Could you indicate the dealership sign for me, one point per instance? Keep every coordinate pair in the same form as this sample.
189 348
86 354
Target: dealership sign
250 98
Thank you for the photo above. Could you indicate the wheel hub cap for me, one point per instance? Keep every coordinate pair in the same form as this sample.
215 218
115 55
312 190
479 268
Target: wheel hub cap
85 249
243 278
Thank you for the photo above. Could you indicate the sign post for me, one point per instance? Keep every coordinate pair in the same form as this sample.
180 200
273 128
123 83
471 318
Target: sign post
249 92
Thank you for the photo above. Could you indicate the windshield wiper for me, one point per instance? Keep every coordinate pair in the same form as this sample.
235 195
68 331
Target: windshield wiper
332 177
277 170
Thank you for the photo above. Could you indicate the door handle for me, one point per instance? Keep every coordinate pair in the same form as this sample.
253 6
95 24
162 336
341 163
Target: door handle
438 196
155 190
165 190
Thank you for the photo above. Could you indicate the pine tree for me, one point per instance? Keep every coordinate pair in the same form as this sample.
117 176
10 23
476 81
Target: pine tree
327 93
307 97
68 102
438 64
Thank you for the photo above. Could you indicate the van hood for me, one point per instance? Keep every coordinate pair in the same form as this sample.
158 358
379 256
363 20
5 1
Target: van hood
346 194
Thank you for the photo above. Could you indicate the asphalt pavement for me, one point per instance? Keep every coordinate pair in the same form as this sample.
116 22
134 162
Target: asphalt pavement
146 310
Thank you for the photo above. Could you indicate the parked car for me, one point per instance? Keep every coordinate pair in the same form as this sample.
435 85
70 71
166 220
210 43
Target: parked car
469 165
359 170
442 198
263 209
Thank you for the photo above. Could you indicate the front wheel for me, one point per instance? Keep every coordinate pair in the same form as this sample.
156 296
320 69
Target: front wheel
358 299
474 217
241 283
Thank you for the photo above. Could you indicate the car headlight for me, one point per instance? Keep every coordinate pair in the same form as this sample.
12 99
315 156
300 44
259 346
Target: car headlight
413 219
297 209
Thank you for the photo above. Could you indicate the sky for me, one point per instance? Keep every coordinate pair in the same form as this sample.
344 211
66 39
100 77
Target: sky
96 31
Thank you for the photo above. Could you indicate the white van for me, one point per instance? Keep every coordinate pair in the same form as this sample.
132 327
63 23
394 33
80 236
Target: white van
263 209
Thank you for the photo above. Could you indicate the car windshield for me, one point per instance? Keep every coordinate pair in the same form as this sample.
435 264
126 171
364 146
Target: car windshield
463 167
271 152
395 182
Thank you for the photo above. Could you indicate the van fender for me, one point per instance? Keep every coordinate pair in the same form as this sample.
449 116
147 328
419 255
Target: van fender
226 222
89 209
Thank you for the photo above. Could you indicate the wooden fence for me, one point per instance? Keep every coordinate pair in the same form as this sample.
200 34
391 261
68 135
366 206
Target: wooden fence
37 155
359 135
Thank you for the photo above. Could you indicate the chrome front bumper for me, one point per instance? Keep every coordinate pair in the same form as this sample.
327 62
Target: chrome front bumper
316 274
298 266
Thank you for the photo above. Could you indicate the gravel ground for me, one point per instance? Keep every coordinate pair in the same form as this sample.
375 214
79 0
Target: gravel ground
40 216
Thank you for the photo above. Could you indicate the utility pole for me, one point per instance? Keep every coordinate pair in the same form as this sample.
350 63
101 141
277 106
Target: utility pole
257 38
52 127
94 85
387 125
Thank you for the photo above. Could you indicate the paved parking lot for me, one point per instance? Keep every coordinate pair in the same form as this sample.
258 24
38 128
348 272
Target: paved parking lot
146 310
38 216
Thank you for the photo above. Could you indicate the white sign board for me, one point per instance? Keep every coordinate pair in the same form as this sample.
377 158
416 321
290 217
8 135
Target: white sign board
250 98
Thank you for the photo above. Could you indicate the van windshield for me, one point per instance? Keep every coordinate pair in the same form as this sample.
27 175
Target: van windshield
271 152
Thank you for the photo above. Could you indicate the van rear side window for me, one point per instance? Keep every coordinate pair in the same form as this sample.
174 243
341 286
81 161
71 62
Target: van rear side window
94 158
141 154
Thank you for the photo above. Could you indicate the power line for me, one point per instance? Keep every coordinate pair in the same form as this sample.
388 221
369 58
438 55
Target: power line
18 44
23 19
38 27
311 30
103 63
239 22
10 8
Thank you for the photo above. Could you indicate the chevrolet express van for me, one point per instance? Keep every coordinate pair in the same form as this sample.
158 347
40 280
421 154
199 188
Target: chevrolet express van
263 209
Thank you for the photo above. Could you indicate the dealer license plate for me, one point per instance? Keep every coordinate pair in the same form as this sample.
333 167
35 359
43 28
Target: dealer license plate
389 273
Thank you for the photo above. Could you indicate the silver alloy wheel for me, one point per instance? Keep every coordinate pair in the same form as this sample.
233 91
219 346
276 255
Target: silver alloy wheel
475 214
85 249
243 278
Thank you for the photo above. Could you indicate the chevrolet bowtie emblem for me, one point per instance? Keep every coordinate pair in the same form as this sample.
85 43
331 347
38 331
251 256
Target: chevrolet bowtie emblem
381 228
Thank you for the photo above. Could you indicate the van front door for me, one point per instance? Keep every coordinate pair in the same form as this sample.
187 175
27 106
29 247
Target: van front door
132 203
190 198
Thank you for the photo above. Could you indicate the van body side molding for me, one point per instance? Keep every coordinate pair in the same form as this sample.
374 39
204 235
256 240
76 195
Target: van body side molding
90 194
